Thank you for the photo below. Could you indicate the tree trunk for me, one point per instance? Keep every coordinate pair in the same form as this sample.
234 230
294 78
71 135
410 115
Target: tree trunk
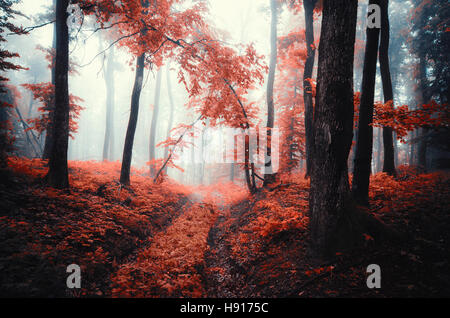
152 144
364 139
108 143
269 175
379 149
58 176
388 142
172 109
131 130
232 168
307 75
330 198
425 98
248 172
49 134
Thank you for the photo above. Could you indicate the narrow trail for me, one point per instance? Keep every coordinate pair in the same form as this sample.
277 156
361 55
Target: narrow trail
173 264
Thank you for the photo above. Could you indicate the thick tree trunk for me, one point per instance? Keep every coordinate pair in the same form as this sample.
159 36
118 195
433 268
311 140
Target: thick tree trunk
330 199
269 175
388 142
131 130
172 109
108 144
152 144
49 131
364 140
307 75
58 176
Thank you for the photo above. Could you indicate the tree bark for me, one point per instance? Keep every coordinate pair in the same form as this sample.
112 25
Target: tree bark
131 130
152 144
330 198
388 142
269 175
307 75
58 176
364 139
108 144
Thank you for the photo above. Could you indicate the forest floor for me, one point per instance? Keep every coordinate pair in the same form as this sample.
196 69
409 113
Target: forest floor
168 240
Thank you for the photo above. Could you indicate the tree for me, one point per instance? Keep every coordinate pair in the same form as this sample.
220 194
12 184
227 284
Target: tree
429 41
108 144
307 76
152 144
215 76
132 122
364 139
172 109
6 14
58 176
134 108
330 204
388 142
49 134
269 175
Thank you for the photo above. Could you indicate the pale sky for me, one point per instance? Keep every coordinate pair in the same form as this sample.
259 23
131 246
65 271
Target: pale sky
243 20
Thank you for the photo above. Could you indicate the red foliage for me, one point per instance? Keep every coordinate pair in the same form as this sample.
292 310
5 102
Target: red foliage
216 76
403 120
96 225
44 94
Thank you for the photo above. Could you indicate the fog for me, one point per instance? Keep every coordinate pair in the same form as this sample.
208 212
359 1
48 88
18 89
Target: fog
243 22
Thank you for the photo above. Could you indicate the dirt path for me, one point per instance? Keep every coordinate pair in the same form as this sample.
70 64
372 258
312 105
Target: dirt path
173 265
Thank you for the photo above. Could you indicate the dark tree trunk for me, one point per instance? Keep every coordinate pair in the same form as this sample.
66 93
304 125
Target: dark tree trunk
388 142
269 175
330 198
152 144
364 139
131 130
49 134
108 144
307 75
172 109
134 112
58 176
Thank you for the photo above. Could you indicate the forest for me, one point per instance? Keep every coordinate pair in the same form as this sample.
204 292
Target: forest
224 149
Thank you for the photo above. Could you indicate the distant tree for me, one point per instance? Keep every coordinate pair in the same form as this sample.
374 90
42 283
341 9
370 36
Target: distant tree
172 109
7 13
154 123
269 174
49 133
108 143
430 43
